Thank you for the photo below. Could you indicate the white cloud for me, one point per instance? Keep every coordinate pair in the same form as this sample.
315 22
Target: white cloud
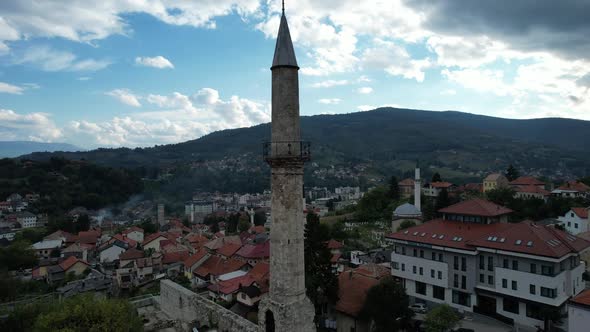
125 96
330 83
178 117
156 62
395 60
365 108
12 89
49 59
448 92
365 90
84 78
30 127
329 101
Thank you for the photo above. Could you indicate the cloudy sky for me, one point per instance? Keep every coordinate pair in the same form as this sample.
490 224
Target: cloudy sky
145 72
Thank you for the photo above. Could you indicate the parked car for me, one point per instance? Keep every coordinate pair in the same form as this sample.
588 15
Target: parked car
419 308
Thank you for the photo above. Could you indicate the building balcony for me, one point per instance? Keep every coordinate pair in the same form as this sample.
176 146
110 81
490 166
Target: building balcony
286 151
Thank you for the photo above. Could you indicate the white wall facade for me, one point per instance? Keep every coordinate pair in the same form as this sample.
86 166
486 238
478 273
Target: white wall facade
573 223
578 318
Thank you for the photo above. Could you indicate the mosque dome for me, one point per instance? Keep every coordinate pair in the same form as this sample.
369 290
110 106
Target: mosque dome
407 210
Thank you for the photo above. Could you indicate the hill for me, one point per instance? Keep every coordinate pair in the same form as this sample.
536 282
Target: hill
11 149
372 144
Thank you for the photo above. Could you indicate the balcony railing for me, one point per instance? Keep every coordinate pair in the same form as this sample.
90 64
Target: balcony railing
287 150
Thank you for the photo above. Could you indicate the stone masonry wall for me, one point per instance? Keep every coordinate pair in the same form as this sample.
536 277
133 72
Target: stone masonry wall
188 307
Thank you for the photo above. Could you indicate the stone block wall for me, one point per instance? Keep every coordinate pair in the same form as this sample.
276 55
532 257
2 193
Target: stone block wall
190 308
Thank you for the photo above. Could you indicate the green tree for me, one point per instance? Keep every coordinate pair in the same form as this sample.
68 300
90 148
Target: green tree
436 177
394 193
86 313
441 319
18 255
243 225
375 205
320 282
502 196
386 306
406 224
442 200
259 218
512 173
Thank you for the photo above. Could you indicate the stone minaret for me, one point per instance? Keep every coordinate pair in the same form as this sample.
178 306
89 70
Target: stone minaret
286 307
417 189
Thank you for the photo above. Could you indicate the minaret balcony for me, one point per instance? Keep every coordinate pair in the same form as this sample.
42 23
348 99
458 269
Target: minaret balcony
286 151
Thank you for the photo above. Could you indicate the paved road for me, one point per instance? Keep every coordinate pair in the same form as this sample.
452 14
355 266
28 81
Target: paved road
478 323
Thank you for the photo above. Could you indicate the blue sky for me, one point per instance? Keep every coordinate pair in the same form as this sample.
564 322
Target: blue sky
145 72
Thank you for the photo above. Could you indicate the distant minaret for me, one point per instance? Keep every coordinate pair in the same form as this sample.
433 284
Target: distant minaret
286 307
417 188
161 215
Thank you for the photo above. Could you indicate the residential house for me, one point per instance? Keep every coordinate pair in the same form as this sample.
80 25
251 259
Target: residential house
572 189
525 181
215 266
65 237
352 293
578 312
45 248
476 210
7 233
336 251
531 192
192 262
228 250
434 189
511 271
73 265
90 237
228 285
26 219
575 220
494 181
254 253
111 251
78 250
153 241
173 262
134 233
406 187
55 274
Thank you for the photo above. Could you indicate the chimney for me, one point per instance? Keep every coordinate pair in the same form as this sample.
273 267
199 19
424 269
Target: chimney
417 190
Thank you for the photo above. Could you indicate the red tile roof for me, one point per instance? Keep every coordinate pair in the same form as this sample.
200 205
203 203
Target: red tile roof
352 292
192 260
132 229
131 254
232 285
373 270
531 189
89 237
476 207
69 262
583 298
175 257
527 181
132 243
581 212
524 237
258 229
493 177
229 249
574 186
441 184
152 237
260 271
333 244
255 251
217 266
335 258
406 183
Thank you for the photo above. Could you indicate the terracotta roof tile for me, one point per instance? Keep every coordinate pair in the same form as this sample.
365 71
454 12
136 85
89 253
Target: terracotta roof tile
175 257
352 292
527 181
152 237
581 212
255 251
192 260
216 266
583 298
131 254
477 207
69 262
333 244
406 183
574 186
132 229
229 249
441 184
532 189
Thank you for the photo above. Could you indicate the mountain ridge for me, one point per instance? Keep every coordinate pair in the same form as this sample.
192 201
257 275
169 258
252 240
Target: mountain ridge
11 149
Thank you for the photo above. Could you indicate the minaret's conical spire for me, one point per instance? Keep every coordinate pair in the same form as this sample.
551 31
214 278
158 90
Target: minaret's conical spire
284 52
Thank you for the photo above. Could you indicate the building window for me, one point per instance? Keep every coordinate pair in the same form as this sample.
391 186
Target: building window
514 285
546 270
504 283
403 250
491 280
420 288
510 305
456 281
414 269
481 278
421 271
440 257
415 252
433 256
576 225
395 265
461 298
505 263
549 292
533 268
534 311
432 273
455 262
532 289
463 282
515 265
463 264
403 267
482 261
438 292
440 274
490 263
569 223
421 253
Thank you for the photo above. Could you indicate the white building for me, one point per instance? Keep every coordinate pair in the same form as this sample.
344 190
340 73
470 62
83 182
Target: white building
575 220
196 210
26 219
497 269
578 312
112 252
